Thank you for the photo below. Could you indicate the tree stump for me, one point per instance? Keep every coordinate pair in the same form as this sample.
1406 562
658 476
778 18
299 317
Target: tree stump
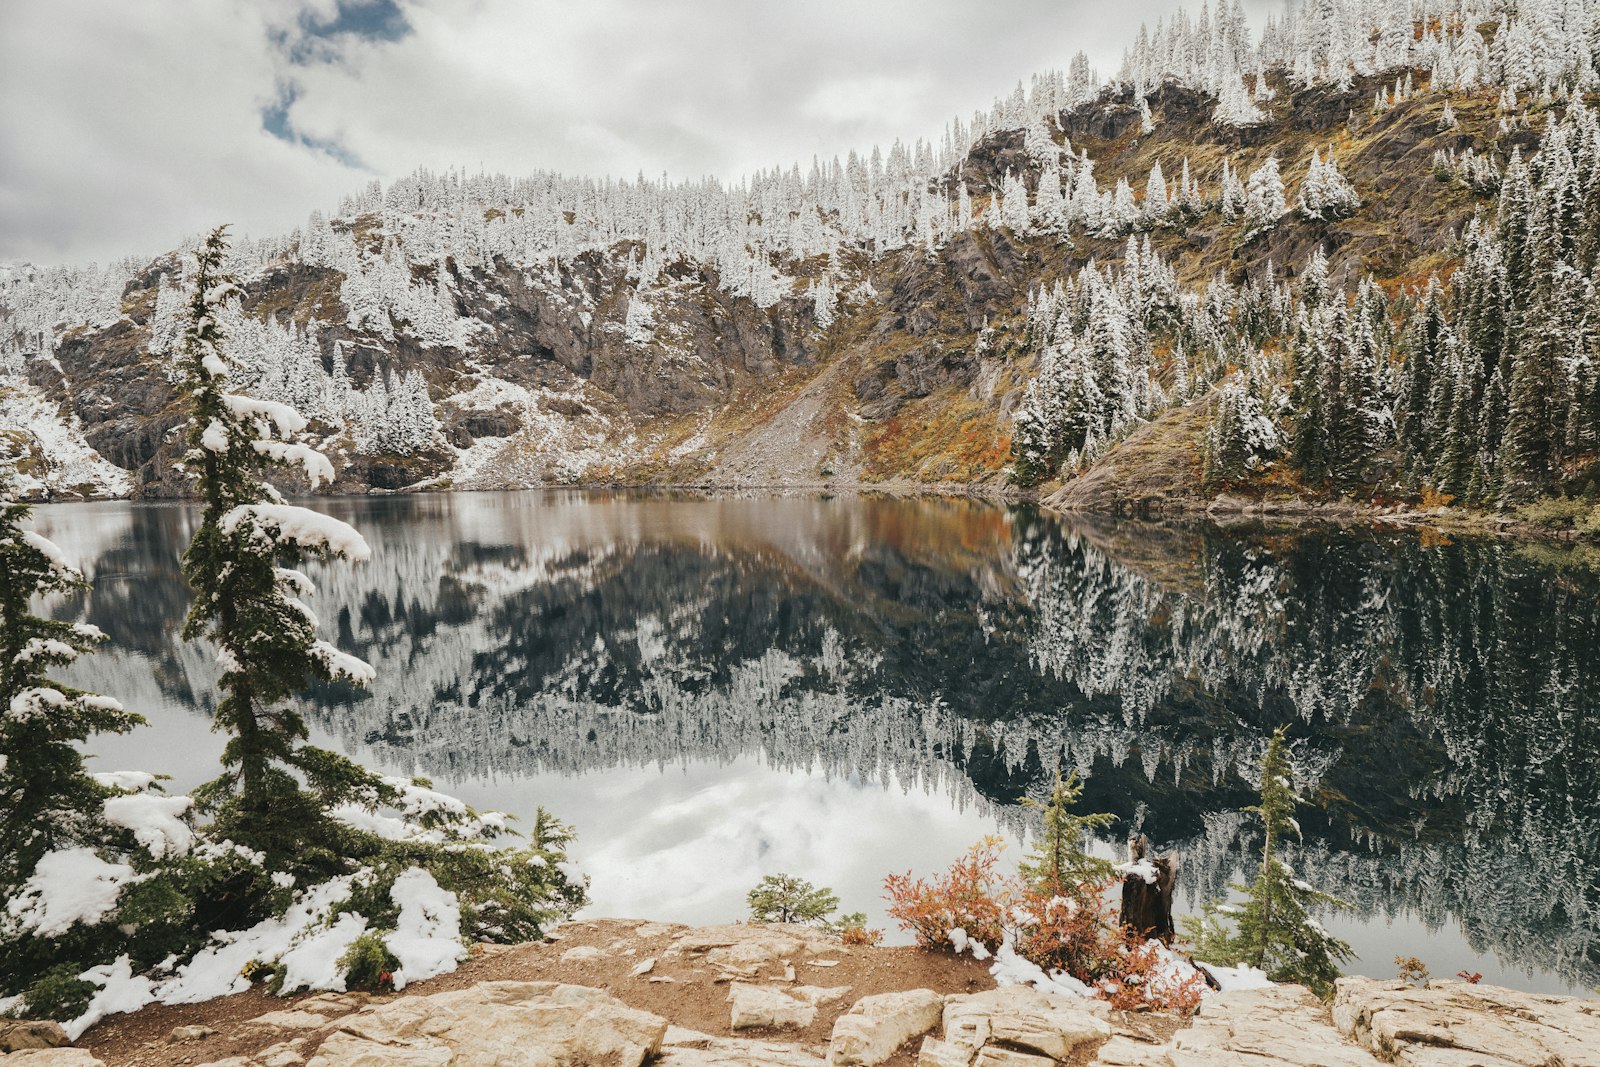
1147 904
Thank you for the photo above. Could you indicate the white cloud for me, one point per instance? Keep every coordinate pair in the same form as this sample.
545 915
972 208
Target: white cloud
124 127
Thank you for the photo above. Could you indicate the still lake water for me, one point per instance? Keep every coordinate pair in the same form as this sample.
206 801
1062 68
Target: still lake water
713 690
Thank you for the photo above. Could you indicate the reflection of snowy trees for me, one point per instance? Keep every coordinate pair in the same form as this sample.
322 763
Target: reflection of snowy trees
1446 694
1438 691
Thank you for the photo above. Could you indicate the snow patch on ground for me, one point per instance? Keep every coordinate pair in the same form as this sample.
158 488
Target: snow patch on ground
1243 976
426 937
307 941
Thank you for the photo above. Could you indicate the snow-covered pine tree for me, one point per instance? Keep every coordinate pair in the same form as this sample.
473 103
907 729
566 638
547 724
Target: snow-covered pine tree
1231 195
1241 436
50 800
1156 205
276 792
64 830
305 810
1314 358
1263 200
1325 195
1425 346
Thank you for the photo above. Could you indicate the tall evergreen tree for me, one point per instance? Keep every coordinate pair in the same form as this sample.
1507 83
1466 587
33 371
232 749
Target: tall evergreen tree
1426 384
1315 360
276 791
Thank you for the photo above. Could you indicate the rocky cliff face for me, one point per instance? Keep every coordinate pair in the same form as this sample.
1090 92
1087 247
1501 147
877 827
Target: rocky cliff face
611 364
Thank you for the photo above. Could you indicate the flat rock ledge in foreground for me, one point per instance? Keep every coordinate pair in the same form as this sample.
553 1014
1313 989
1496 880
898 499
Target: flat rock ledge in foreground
626 993
550 1024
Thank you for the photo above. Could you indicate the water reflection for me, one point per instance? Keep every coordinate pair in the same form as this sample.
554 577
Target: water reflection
713 689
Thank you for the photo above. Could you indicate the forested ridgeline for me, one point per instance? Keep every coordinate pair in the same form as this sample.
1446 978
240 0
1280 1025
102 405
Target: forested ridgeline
977 290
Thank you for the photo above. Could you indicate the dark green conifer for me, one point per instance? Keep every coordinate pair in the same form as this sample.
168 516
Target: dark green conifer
49 798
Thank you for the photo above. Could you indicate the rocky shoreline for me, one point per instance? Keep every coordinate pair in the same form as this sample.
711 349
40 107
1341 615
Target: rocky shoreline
628 993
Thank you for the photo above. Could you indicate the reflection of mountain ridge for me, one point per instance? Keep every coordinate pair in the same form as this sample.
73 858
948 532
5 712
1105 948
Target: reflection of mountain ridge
1438 691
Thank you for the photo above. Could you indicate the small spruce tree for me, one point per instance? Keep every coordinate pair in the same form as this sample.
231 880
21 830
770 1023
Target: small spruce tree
1058 863
1274 928
275 793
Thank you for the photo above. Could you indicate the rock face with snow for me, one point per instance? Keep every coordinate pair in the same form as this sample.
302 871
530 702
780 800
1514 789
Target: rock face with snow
1451 1023
552 330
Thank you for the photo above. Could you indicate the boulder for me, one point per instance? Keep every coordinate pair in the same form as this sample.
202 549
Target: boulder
285 1054
871 1031
19 1034
1451 1023
744 951
541 1024
1283 1026
290 1019
936 1053
702 1050
1023 1017
52 1057
993 1056
1125 1051
780 1009
184 1034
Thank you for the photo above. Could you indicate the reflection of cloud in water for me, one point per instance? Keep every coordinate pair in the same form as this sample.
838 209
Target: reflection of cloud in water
725 673
685 845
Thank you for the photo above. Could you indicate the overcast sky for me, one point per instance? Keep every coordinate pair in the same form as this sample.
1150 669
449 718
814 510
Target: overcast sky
127 124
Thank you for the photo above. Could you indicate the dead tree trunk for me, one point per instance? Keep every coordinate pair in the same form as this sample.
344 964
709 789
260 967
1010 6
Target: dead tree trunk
1147 893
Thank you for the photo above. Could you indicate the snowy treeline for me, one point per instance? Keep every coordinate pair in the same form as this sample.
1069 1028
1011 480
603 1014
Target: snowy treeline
758 231
1532 45
284 363
1500 384
1096 371
1099 373
1482 388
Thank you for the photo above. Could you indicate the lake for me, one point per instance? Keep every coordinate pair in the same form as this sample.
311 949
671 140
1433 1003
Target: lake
711 690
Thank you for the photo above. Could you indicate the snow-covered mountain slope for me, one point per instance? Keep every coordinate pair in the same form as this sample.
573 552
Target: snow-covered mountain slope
476 330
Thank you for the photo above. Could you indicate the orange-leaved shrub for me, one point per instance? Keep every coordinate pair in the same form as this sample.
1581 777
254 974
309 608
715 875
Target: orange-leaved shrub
1062 929
972 896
